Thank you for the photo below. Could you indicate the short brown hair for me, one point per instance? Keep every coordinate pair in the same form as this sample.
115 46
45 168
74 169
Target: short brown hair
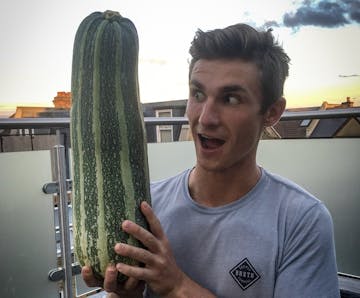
244 42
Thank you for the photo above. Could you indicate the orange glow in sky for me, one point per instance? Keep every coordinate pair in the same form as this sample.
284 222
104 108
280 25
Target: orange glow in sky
36 52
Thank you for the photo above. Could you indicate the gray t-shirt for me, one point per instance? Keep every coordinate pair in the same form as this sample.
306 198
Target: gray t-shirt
276 241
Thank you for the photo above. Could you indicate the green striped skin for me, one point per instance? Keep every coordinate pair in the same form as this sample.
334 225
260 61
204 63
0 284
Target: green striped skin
109 153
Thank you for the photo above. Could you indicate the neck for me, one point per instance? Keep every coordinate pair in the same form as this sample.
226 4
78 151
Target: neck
217 188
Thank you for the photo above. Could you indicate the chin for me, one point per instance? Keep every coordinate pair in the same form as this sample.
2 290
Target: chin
210 165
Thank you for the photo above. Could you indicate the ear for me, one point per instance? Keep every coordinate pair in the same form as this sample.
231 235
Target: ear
274 112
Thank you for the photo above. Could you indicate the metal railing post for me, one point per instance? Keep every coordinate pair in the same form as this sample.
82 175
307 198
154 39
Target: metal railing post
59 159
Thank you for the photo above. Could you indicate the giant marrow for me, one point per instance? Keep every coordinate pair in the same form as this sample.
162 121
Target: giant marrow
109 154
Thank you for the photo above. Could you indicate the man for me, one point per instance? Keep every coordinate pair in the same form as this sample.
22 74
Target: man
228 227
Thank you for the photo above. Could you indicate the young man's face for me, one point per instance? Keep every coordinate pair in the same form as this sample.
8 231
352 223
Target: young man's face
224 113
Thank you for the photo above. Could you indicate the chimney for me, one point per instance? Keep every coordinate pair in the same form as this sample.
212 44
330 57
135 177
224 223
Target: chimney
347 104
62 100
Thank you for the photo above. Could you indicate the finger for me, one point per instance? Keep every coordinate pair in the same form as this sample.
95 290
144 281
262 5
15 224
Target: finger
131 283
139 273
141 234
153 221
110 281
89 278
136 253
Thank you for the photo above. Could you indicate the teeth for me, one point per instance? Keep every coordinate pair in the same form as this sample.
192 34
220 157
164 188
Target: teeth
205 137
210 142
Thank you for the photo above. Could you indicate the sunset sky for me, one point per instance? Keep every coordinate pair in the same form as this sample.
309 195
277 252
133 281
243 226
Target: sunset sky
322 39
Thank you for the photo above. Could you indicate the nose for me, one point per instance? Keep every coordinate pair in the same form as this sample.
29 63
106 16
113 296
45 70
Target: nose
209 114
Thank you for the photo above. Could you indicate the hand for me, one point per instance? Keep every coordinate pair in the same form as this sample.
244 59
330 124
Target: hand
161 273
132 288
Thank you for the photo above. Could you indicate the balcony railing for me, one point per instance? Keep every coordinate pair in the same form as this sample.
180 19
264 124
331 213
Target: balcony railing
18 123
29 223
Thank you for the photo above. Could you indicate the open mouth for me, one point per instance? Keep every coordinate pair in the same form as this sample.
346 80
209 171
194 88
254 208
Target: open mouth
210 143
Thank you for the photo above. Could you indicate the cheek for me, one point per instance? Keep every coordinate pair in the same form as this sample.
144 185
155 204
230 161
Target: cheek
191 119
247 129
191 112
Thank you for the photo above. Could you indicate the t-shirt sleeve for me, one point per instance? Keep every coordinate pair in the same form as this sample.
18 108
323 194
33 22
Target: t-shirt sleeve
307 265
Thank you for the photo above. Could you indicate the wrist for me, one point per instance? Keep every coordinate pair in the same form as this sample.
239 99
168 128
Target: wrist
187 288
179 290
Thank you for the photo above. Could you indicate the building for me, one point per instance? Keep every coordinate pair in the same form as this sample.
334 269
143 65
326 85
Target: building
320 128
41 139
166 133
45 138
26 139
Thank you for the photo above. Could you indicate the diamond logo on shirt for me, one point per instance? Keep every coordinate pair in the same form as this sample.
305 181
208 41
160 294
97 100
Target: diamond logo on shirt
244 274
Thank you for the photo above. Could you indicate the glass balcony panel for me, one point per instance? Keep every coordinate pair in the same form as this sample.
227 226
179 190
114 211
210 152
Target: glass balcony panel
329 168
27 234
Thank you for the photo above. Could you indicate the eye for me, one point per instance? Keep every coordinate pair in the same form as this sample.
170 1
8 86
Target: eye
197 95
232 99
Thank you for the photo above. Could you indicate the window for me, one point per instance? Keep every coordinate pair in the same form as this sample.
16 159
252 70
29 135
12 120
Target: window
185 133
305 122
164 133
27 132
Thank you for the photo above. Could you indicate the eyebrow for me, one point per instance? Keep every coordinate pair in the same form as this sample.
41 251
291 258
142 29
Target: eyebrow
233 88
225 89
196 84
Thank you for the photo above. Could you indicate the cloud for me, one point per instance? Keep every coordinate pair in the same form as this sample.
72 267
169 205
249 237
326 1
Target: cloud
324 13
270 24
349 76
